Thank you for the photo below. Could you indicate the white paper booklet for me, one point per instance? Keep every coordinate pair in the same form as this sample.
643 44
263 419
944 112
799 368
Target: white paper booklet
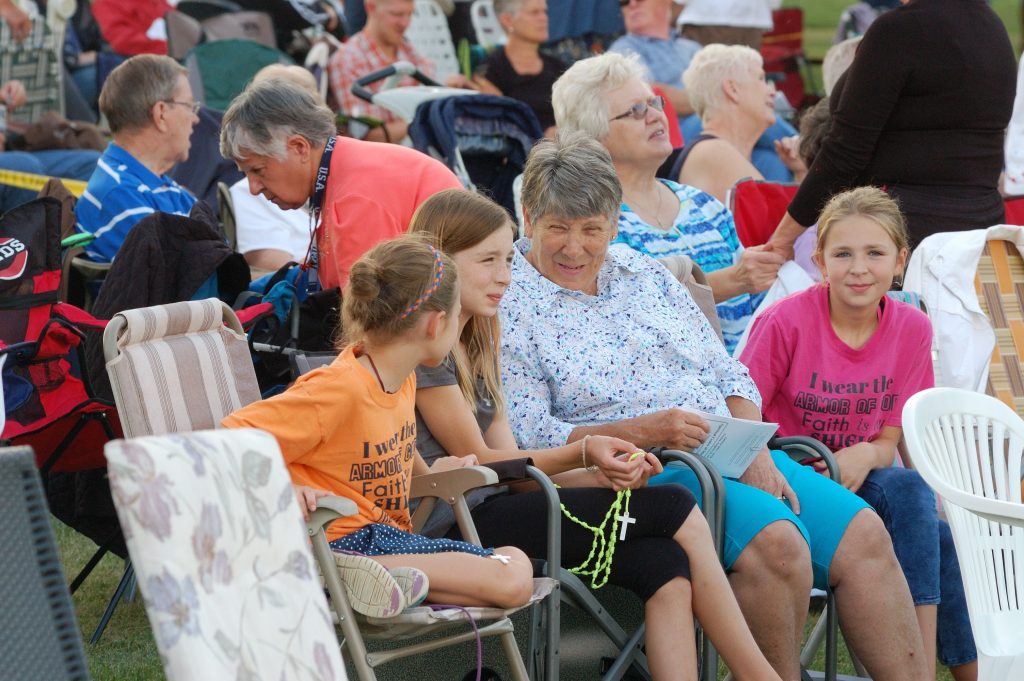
733 443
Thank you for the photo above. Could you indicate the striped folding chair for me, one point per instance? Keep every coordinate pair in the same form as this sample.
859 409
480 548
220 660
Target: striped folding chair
178 367
175 368
999 282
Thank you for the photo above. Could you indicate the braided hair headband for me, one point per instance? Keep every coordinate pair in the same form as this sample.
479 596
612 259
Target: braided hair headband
433 285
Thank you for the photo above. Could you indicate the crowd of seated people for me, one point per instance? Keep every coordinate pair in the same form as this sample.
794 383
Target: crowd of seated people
574 342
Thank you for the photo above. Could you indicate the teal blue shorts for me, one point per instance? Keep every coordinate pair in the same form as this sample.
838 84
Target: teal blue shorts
826 510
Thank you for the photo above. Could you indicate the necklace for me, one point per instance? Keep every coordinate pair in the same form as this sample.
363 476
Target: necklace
657 214
376 373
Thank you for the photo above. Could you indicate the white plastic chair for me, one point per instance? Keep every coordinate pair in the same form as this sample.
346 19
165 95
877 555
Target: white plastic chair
968 447
485 23
428 32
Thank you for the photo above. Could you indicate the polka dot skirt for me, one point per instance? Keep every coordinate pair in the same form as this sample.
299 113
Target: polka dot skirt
383 540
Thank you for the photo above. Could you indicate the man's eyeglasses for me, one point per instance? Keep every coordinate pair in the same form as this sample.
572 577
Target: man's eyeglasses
624 3
194 106
639 110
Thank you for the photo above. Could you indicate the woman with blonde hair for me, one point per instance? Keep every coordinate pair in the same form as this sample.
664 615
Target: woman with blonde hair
837 362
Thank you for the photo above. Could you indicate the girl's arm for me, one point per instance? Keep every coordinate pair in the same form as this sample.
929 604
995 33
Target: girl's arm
857 461
452 423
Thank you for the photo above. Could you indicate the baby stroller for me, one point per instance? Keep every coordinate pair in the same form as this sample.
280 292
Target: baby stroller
483 139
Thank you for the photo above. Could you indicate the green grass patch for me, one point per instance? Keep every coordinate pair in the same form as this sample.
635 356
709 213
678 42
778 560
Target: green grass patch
821 17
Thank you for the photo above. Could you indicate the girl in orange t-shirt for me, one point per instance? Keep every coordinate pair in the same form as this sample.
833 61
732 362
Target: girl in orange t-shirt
349 429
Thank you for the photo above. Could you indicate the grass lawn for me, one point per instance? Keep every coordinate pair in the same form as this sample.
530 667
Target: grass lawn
822 16
127 651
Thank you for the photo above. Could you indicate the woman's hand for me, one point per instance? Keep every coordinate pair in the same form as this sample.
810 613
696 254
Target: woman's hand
758 268
19 22
788 152
616 465
13 94
763 474
307 496
481 84
450 463
855 463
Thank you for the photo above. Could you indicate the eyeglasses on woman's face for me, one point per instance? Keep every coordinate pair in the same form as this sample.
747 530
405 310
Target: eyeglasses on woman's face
639 110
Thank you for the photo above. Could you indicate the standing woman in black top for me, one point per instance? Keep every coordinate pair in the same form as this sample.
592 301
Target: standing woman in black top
518 69
922 113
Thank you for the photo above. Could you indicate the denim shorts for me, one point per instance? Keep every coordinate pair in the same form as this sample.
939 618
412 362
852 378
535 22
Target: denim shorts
826 511
925 551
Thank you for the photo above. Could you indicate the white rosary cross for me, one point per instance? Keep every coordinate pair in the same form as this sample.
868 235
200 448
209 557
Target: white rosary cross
626 522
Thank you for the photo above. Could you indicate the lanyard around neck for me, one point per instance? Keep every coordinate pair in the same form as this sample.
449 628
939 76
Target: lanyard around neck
316 202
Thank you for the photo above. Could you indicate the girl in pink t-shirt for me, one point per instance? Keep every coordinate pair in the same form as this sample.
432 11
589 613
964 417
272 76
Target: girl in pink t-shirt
837 362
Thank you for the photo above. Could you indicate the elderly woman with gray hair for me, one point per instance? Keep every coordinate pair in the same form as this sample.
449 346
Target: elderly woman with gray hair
609 98
360 193
736 105
518 69
605 341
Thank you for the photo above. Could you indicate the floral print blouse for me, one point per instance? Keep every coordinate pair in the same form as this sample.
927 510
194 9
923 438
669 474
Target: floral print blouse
639 346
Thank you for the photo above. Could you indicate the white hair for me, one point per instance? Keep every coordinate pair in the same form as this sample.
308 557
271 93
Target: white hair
837 60
578 97
712 66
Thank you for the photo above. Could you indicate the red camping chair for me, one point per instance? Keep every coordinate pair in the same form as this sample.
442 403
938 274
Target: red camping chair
757 207
1014 210
47 401
785 61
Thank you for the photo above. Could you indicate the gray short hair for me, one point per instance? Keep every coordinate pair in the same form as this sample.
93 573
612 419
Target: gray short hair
712 66
570 177
506 6
131 90
269 111
578 96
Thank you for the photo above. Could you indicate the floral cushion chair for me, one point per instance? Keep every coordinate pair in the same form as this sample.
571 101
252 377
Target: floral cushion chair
222 557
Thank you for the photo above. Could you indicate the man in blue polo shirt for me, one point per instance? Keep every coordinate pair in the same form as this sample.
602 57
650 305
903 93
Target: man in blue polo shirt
150 108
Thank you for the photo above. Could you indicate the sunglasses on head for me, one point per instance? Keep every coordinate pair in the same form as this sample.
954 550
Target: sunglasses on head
639 110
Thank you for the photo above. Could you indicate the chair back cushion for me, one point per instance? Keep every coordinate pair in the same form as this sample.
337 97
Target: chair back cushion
178 369
222 558
758 206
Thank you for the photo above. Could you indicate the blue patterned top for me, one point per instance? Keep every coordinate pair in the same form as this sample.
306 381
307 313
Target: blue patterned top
705 231
639 346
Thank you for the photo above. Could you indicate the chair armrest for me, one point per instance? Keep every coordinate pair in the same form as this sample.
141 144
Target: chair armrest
327 510
801 447
712 490
449 485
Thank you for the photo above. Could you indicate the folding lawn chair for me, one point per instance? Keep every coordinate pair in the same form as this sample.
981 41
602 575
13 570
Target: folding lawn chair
998 280
38 63
224 568
175 368
757 206
41 638
782 49
218 71
48 400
